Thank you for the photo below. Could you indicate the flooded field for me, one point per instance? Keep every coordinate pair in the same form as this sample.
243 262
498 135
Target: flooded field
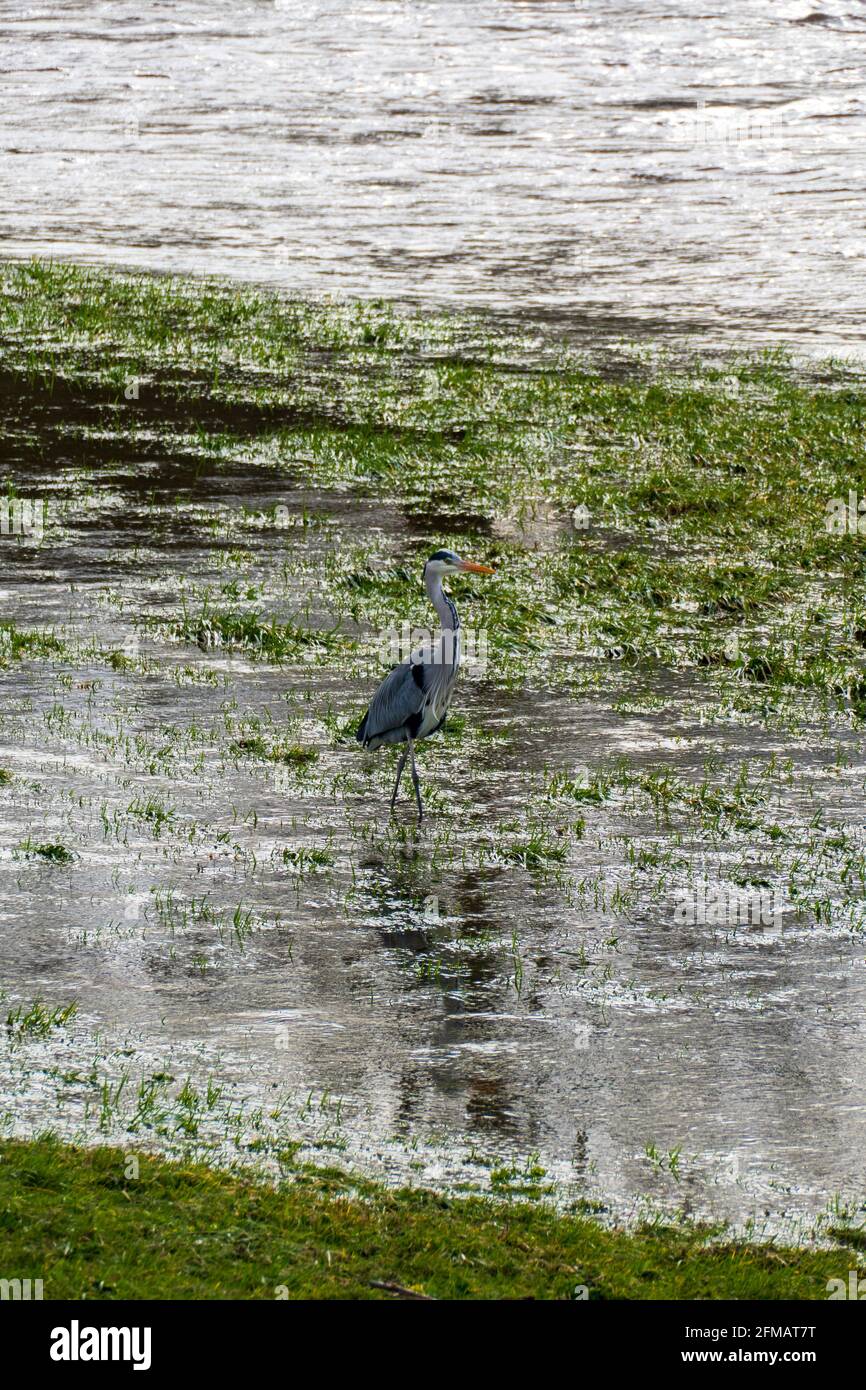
617 168
622 962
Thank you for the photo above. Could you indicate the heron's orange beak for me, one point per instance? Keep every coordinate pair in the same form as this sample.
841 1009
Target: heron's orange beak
473 568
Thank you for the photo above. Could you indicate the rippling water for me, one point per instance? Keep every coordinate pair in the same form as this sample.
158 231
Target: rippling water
623 168
618 169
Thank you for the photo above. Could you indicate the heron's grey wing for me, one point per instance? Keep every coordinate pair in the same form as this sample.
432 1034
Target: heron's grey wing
401 695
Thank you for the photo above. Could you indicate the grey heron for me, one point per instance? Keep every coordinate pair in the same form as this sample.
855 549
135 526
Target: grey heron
412 701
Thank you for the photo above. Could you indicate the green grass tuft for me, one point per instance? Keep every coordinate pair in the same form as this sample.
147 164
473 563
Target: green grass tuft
106 1224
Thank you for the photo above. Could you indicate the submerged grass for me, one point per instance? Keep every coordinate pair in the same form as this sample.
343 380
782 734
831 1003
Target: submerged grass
105 1224
694 517
37 1019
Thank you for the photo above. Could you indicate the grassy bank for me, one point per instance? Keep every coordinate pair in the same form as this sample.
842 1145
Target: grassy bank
83 1223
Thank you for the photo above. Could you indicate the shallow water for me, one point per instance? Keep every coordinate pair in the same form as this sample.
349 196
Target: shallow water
619 169
413 1005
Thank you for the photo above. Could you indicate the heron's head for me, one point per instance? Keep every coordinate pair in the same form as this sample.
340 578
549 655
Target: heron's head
444 562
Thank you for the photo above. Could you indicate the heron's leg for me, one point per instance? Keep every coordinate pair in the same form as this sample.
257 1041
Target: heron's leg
401 763
416 783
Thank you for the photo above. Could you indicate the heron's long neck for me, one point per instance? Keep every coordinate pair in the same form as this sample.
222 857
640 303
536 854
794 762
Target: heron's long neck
444 605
